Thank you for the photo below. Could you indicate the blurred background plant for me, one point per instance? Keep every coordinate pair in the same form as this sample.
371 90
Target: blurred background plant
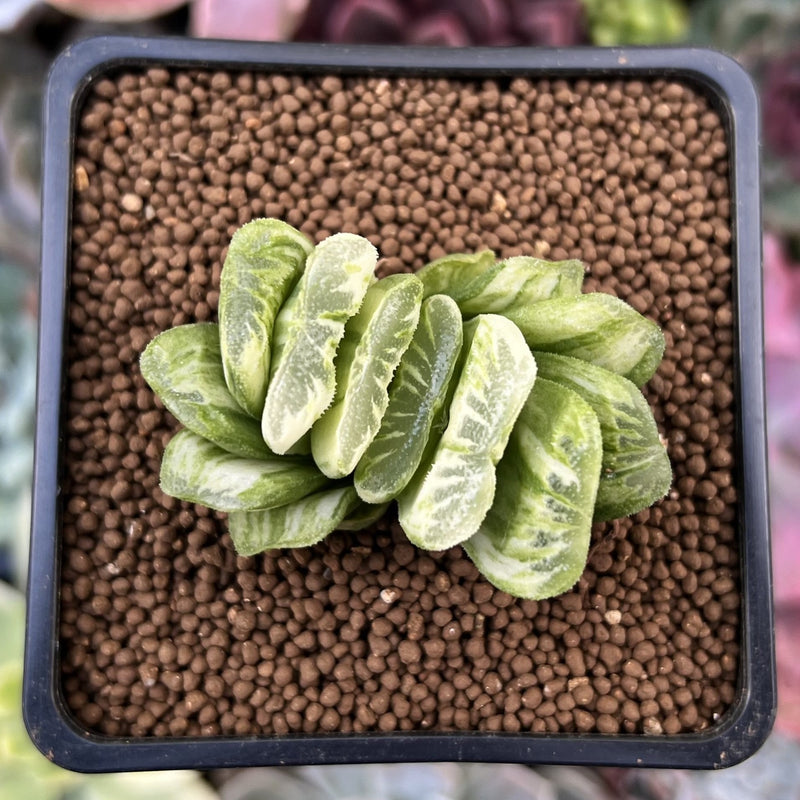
764 35
22 69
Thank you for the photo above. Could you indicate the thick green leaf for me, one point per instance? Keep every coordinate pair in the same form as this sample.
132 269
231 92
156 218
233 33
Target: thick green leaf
450 274
636 470
299 524
448 498
518 282
184 368
534 541
198 471
594 327
480 285
265 258
307 333
374 342
417 396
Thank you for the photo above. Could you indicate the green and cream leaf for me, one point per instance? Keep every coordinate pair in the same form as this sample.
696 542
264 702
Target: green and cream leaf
534 541
301 523
597 328
265 258
364 515
307 333
417 397
183 367
520 281
452 273
196 470
448 498
636 470
375 340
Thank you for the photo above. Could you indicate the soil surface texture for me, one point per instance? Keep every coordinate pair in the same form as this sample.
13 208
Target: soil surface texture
166 632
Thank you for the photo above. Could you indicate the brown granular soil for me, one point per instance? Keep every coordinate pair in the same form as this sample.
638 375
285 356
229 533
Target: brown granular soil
165 632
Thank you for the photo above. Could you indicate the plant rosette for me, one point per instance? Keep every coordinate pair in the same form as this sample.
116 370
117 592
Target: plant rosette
303 360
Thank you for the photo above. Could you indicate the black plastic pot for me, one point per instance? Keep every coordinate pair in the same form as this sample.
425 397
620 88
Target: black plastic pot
737 735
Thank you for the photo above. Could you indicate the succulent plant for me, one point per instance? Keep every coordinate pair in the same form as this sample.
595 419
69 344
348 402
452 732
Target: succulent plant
22 70
637 22
476 449
17 394
445 22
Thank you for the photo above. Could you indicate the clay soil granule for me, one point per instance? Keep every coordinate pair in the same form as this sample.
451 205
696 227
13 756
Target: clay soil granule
166 632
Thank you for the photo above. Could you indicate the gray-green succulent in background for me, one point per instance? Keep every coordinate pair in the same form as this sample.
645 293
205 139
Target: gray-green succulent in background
445 781
22 71
17 397
636 22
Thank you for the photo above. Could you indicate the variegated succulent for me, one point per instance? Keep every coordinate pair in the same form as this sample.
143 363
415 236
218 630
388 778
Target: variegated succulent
497 404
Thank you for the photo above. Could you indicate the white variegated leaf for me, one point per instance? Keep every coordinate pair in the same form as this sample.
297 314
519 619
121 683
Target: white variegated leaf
449 497
636 470
198 471
301 523
182 366
374 341
534 541
597 328
265 258
307 333
417 397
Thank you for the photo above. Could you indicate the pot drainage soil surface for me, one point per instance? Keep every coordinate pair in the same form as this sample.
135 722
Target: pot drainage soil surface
165 632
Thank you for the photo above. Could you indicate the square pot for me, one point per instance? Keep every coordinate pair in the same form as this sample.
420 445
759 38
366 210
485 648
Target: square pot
150 645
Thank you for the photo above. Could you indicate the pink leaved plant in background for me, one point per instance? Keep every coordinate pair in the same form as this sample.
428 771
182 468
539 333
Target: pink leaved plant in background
438 23
444 22
255 20
781 104
782 346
